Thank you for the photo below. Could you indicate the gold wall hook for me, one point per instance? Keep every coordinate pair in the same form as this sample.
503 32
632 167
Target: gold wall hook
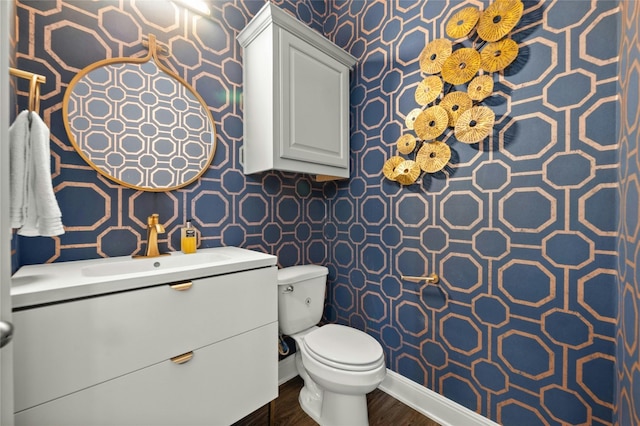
155 47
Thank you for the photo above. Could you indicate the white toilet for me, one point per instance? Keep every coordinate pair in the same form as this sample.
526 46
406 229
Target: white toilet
339 364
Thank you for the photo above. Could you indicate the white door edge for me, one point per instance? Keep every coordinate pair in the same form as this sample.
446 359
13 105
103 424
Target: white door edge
6 354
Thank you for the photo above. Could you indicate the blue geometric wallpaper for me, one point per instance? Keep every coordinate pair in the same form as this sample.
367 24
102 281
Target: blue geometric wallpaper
528 325
627 325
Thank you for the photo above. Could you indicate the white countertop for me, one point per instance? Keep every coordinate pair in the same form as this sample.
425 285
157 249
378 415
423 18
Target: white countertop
56 282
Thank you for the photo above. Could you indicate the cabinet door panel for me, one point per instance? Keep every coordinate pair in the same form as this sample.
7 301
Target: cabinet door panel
221 384
314 104
70 346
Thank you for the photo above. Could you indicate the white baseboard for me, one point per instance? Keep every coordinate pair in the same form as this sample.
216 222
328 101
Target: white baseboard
287 369
424 400
430 403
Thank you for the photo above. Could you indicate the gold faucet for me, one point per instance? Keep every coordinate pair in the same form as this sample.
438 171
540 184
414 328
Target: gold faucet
153 229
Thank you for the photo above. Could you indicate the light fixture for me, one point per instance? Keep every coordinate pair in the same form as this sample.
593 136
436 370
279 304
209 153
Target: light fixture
198 6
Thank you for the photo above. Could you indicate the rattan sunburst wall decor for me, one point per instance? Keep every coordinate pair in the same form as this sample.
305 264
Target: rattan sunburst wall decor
450 97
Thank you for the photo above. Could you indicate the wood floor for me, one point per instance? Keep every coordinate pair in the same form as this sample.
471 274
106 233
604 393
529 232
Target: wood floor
384 410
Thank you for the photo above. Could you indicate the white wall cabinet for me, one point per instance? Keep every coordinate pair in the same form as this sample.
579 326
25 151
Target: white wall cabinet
296 97
111 359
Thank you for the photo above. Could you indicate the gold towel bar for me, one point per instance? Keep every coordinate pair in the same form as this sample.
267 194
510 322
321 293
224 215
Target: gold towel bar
34 87
431 279
27 75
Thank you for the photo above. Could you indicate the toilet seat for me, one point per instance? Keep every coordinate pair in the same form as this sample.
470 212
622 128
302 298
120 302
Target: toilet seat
344 348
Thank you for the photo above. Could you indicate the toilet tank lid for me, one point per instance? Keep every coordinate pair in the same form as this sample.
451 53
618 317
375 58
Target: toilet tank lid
294 274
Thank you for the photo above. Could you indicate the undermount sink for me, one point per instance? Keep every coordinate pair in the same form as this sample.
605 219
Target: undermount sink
135 265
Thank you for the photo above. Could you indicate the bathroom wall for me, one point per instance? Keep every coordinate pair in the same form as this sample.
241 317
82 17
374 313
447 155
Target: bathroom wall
521 228
277 213
627 324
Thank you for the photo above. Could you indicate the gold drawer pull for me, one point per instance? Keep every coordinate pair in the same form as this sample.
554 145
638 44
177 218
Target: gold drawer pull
181 359
182 286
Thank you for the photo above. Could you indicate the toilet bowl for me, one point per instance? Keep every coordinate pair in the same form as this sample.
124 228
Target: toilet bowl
339 364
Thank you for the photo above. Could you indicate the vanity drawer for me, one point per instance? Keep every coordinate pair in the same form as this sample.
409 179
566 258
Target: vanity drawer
219 385
62 348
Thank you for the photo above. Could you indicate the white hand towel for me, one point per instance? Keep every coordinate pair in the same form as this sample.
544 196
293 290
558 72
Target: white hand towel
43 213
18 152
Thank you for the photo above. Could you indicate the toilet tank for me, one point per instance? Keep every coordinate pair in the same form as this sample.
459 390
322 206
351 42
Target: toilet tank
301 291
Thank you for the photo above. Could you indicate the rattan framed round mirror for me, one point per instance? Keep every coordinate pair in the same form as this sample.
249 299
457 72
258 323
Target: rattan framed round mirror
139 124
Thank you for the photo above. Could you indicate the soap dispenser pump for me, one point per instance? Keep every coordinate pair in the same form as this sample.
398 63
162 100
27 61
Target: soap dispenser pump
188 238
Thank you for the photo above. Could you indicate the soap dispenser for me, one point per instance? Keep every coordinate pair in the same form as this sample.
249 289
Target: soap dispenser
188 238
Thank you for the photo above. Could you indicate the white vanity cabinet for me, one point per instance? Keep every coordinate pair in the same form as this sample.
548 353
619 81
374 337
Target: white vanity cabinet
193 352
296 97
